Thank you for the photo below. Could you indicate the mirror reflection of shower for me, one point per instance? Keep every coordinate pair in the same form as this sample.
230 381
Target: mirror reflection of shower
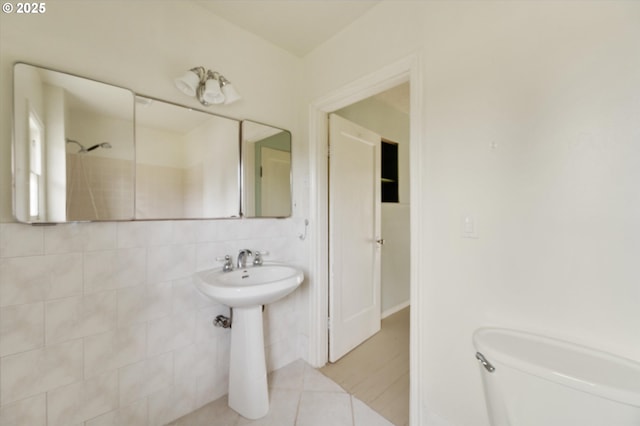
83 150
78 181
100 145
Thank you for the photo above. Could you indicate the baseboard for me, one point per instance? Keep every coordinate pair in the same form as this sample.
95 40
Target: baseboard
395 309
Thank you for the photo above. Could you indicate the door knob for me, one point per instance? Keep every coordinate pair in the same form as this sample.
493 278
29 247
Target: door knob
380 241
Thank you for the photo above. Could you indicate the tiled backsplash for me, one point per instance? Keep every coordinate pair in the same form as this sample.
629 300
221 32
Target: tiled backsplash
100 323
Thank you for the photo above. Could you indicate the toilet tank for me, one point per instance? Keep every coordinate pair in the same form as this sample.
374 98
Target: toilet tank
540 381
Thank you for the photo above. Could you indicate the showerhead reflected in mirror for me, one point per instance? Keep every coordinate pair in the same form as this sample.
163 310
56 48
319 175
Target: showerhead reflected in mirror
73 148
266 170
83 149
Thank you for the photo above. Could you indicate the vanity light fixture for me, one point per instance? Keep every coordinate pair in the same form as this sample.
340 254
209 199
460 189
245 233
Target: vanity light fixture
209 87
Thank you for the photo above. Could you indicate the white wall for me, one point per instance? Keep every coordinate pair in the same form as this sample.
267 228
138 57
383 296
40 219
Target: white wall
219 163
393 125
100 323
55 125
396 260
160 147
554 86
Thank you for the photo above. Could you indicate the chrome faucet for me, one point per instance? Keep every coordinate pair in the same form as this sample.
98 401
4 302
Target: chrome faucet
228 263
242 258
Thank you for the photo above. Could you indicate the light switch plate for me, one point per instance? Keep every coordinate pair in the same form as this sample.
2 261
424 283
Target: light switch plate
469 227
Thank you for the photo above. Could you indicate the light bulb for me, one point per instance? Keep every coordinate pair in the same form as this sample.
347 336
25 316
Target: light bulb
188 83
212 93
230 93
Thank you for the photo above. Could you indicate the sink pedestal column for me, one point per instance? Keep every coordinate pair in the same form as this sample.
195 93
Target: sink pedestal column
248 392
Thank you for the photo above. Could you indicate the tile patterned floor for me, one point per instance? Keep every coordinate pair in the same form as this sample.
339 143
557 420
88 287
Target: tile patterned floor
299 396
377 371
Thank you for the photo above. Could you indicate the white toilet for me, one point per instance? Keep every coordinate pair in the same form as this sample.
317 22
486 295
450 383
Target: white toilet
531 380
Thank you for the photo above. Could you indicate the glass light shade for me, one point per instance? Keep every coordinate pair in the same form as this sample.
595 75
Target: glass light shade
188 83
212 93
230 93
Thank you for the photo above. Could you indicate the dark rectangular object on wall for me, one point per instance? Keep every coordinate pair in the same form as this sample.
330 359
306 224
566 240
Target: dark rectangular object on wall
389 172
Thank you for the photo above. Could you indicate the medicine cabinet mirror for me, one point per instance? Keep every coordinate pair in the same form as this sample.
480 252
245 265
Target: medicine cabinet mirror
79 155
187 162
73 148
266 170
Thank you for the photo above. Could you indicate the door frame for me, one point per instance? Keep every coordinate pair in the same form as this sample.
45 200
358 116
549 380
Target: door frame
407 69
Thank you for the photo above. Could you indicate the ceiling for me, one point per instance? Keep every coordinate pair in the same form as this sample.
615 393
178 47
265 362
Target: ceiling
298 26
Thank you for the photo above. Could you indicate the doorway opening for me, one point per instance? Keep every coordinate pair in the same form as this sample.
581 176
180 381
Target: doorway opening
388 115
402 71
369 253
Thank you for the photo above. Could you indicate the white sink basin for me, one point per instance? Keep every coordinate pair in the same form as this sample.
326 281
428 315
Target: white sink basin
245 290
251 286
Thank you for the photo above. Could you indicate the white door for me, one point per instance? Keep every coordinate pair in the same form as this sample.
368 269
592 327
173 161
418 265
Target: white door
354 232
276 182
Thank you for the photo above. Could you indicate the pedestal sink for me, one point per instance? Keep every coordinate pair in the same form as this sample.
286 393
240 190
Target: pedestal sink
245 290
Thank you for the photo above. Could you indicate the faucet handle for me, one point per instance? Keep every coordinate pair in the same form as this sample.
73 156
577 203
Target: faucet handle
257 257
228 263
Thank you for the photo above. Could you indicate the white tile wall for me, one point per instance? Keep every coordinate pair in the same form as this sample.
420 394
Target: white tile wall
39 278
80 401
170 262
80 316
76 237
21 241
28 411
21 328
112 269
100 324
172 402
144 303
145 377
130 415
29 373
114 349
171 333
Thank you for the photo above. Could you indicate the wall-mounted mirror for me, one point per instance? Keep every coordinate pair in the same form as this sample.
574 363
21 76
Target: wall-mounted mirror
73 148
74 156
266 170
187 162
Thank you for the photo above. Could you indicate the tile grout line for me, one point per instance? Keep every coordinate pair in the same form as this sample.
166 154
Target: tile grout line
353 413
295 421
